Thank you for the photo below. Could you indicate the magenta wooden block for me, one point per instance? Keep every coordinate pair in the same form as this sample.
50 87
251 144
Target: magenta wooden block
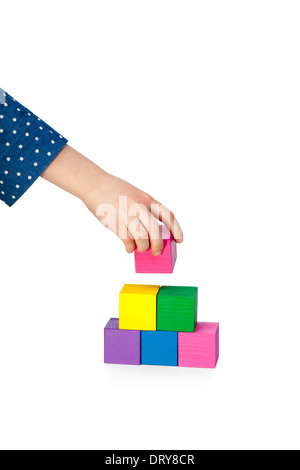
147 263
121 346
199 349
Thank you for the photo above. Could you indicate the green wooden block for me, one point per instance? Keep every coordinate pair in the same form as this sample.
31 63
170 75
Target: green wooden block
177 308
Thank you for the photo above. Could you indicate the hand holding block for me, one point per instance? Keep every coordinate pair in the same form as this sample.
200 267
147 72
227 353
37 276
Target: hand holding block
147 263
121 346
138 307
199 349
177 308
159 348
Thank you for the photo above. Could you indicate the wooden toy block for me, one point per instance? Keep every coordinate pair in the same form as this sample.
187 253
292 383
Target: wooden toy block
177 308
147 263
138 307
199 349
121 346
159 348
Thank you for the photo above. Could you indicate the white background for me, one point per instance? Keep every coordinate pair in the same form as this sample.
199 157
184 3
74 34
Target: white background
198 103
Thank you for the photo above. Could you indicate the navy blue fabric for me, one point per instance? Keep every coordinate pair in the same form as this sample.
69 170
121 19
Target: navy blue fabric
27 147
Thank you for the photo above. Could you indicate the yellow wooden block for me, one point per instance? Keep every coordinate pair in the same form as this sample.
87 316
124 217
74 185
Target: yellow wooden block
138 307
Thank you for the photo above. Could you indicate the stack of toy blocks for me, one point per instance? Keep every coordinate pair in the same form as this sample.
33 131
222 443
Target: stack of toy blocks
158 326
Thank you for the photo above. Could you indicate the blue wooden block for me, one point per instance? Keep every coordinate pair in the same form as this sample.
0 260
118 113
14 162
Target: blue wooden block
159 348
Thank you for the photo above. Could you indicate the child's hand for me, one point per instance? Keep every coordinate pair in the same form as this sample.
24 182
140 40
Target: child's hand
130 213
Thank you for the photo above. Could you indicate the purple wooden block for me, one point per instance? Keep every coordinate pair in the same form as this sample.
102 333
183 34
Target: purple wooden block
121 346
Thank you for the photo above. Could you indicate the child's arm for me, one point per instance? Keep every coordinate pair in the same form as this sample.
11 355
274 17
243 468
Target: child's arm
29 148
137 226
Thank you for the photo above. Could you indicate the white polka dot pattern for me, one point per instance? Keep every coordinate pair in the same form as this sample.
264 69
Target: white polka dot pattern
27 147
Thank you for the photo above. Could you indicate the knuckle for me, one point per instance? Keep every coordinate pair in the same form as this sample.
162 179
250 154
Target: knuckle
142 237
147 199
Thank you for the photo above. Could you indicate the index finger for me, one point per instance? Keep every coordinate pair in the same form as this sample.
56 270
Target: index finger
163 214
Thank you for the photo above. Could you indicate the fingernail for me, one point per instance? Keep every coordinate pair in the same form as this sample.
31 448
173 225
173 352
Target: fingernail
157 253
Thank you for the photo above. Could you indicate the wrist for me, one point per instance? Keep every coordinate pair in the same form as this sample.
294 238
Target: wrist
90 190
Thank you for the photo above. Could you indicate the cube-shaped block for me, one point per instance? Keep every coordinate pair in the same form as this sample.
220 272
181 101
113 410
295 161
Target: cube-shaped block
177 308
199 349
147 263
159 348
121 346
138 307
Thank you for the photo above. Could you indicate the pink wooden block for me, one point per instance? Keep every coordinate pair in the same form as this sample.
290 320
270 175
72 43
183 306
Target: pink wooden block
199 349
147 263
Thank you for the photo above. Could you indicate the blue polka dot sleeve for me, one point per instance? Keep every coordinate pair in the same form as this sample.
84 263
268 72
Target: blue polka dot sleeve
27 147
